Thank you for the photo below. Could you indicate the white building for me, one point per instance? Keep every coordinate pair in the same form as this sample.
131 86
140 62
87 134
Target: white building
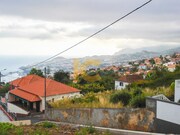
29 93
126 80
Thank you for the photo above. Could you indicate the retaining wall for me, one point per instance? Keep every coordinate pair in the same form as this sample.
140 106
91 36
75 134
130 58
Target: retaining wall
125 118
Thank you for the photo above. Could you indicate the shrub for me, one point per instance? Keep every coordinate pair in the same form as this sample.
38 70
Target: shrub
19 131
138 101
120 96
137 92
48 124
86 131
39 132
5 127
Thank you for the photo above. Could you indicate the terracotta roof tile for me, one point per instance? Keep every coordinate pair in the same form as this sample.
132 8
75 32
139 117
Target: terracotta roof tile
131 78
25 95
35 85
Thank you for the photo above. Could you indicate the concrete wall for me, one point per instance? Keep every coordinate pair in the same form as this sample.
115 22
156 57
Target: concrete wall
168 112
167 118
126 118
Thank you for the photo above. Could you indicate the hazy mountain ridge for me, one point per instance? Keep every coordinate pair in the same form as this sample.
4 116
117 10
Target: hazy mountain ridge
121 57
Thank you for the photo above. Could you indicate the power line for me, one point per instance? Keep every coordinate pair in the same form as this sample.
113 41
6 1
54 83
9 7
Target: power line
91 35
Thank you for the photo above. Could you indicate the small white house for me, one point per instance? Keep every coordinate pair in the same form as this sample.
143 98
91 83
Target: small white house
126 80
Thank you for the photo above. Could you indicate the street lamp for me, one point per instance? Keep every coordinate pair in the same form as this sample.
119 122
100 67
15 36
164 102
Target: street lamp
1 75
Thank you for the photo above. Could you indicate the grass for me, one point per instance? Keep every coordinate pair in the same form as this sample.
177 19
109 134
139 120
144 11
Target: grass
105 99
48 128
90 100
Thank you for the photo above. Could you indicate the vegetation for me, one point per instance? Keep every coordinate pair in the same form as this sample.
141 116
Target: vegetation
62 76
121 96
5 88
35 71
47 128
159 78
133 97
96 81
90 100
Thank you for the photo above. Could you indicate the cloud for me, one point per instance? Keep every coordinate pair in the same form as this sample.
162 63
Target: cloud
87 11
66 22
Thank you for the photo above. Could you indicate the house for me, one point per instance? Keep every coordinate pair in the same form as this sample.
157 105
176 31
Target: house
142 66
157 61
29 92
171 66
126 80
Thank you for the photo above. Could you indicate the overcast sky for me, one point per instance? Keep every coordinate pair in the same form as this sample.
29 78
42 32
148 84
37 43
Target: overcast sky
47 27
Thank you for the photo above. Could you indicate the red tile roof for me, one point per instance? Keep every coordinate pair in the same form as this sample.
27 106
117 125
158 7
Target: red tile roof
131 78
25 95
33 84
25 80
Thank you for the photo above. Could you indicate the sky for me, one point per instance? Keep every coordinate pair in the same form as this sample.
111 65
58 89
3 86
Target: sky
47 27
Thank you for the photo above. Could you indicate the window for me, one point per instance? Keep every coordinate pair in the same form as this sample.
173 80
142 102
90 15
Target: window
121 84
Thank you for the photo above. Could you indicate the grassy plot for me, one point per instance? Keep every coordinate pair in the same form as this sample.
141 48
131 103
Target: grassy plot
47 128
134 97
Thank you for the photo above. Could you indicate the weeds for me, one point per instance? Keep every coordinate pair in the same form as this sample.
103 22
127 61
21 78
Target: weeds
48 124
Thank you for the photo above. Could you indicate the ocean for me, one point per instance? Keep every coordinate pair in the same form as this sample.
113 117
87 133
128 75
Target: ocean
13 63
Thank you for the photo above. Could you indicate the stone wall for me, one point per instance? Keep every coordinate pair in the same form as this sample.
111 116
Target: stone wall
125 118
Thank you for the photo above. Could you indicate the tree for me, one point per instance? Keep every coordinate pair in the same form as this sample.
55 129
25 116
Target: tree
152 61
35 71
61 76
5 88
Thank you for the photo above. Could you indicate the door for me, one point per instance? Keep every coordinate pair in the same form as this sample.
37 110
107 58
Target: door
38 106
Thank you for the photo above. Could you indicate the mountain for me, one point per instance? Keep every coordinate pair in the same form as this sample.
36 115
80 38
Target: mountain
158 49
121 57
171 51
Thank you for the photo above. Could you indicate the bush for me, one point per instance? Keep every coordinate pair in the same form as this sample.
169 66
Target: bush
137 92
5 127
138 101
48 124
86 131
120 96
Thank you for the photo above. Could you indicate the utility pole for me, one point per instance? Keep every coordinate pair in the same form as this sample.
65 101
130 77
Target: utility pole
44 89
1 75
0 78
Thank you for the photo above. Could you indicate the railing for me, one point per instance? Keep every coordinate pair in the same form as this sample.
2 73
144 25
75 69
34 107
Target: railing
4 108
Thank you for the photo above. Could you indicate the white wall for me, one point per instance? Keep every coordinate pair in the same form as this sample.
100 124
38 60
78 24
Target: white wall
118 87
177 90
168 112
15 109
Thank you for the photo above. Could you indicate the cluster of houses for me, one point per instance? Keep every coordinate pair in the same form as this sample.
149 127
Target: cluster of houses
138 70
142 67
30 93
